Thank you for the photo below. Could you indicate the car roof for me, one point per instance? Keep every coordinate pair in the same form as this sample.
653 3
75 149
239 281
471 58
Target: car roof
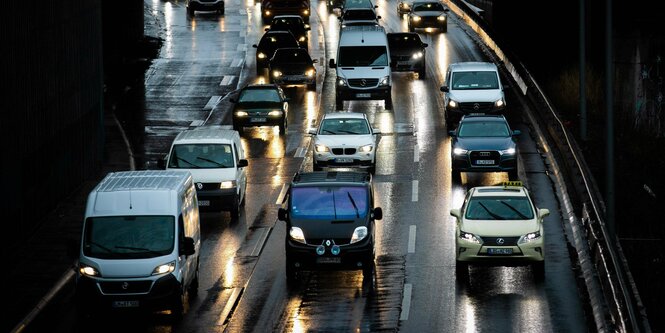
331 177
344 114
473 66
206 134
287 16
494 191
484 117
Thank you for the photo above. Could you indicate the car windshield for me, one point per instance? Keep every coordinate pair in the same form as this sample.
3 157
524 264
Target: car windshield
344 126
292 56
292 24
359 15
128 237
403 41
475 80
201 156
329 202
358 4
353 56
473 129
428 7
277 40
499 208
259 95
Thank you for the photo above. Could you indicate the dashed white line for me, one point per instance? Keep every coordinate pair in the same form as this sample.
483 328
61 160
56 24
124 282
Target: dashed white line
227 80
412 239
414 191
237 62
406 302
212 102
416 154
196 123
259 244
300 152
235 294
282 194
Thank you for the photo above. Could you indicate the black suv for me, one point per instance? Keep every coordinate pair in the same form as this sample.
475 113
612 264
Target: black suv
269 43
260 105
293 24
407 53
329 219
292 66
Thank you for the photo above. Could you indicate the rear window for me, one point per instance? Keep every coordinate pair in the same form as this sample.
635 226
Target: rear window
359 15
403 41
329 202
475 80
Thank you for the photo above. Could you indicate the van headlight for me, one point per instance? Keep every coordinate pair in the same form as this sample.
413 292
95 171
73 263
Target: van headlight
417 55
460 151
310 72
530 237
469 237
385 81
366 148
452 104
164 269
297 235
227 184
88 270
302 39
509 151
322 148
341 82
441 18
499 103
241 114
359 234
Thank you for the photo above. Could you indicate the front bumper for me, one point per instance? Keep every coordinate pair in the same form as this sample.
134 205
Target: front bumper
470 163
219 199
351 257
408 65
286 80
206 5
263 120
328 159
377 93
521 254
428 22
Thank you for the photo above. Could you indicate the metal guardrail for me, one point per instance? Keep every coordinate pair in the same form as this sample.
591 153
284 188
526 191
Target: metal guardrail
621 297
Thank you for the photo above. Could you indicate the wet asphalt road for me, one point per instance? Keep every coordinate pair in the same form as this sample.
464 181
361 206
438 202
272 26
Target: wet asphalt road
243 285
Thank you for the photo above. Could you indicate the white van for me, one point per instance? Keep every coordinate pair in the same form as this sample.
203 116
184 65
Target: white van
363 65
140 244
215 157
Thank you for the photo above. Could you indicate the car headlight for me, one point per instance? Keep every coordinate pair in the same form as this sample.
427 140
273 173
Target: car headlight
297 235
469 237
227 184
441 18
341 82
417 55
276 73
509 151
310 72
359 234
275 113
241 114
460 151
302 39
366 148
261 55
88 270
530 237
416 18
164 269
499 103
305 12
385 81
267 12
452 104
322 148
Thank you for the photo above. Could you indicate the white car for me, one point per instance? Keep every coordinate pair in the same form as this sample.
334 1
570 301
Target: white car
344 139
499 226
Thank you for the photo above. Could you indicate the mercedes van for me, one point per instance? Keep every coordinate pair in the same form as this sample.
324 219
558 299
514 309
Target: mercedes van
215 157
363 65
140 244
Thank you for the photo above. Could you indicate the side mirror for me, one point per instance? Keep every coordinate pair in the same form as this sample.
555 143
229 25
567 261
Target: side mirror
378 17
456 212
377 213
73 249
242 163
517 132
314 61
376 131
266 29
375 6
451 133
312 131
255 46
542 212
444 89
332 64
425 45
282 214
188 247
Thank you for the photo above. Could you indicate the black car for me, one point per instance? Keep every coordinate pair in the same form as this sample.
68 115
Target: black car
484 143
428 14
260 105
329 219
407 53
292 66
292 23
269 43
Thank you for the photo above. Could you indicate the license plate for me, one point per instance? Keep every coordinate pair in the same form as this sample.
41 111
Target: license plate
258 120
402 63
125 304
363 95
493 250
485 162
328 260
344 160
204 202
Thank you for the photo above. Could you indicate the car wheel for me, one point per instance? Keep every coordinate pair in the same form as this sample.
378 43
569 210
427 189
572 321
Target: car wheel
389 102
372 168
282 127
237 127
190 11
339 103
538 269
316 167
221 10
444 28
462 272
194 286
456 175
411 29
178 306
422 72
259 70
235 210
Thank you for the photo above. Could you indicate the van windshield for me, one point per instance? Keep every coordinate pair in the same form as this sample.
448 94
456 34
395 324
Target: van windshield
359 56
128 237
329 202
475 80
201 156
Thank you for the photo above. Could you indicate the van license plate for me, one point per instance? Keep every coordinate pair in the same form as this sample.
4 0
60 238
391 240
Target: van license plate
204 202
485 162
499 251
125 304
363 95
328 260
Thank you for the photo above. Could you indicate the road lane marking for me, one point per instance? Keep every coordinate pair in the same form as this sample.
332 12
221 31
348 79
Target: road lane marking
212 102
196 123
414 191
227 80
282 194
259 244
412 239
237 62
416 154
406 302
300 152
241 47
230 304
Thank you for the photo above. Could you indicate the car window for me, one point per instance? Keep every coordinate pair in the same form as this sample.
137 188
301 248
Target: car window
129 237
201 156
344 126
428 7
292 56
483 129
499 208
275 41
475 80
259 95
352 56
330 202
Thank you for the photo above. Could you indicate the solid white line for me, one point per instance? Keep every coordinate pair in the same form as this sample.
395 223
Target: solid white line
414 191
406 302
282 194
416 154
300 152
259 244
130 152
412 239
237 62
226 80
196 123
229 306
212 102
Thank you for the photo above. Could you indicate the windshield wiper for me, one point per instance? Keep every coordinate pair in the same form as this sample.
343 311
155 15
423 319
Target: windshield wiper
186 161
348 132
101 247
211 161
142 249
329 131
496 217
515 210
353 202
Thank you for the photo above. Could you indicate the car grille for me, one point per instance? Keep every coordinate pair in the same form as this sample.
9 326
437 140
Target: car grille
484 155
367 82
476 107
343 151
319 241
125 287
493 241
206 186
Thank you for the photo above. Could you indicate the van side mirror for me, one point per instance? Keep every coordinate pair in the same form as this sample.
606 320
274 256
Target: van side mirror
266 29
377 214
331 63
311 131
314 61
378 17
517 132
376 131
188 247
542 212
444 88
455 212
242 163
282 214
255 46
73 248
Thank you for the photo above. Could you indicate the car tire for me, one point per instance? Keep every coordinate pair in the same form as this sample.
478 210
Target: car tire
462 272
259 70
235 210
282 127
538 269
389 102
190 11
178 306
194 285
456 175
444 29
422 72
221 10
513 174
339 103
411 29
237 127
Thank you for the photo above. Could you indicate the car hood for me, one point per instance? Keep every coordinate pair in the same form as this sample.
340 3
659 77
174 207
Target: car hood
212 175
345 140
258 106
328 228
504 228
428 13
476 95
484 143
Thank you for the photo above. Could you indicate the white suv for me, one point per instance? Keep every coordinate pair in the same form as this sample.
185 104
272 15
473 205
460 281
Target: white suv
344 139
472 88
